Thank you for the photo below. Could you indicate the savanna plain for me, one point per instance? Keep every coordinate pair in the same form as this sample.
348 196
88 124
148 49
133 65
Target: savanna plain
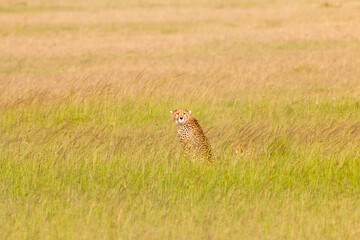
88 149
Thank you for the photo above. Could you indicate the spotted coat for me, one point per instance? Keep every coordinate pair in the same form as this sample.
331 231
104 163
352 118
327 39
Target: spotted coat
192 137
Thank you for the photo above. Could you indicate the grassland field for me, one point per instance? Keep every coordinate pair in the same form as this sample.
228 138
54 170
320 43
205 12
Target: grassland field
88 149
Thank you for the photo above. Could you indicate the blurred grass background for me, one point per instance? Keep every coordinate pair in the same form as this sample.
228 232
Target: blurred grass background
88 148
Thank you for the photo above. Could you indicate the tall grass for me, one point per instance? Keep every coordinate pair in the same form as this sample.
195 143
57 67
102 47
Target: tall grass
88 149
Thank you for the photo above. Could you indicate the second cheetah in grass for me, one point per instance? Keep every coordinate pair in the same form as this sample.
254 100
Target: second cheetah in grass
191 135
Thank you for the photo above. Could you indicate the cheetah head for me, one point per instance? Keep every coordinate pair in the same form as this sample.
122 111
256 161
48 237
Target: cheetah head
180 116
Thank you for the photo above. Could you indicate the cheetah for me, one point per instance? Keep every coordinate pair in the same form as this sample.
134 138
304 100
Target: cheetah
191 135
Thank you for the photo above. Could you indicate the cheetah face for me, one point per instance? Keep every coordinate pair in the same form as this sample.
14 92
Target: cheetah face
180 116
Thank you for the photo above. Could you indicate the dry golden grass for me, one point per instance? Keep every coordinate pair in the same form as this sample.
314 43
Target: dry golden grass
88 149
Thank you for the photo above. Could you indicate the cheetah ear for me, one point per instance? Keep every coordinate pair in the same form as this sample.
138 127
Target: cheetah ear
189 111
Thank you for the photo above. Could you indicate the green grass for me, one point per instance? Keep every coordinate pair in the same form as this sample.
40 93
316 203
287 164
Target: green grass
103 168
